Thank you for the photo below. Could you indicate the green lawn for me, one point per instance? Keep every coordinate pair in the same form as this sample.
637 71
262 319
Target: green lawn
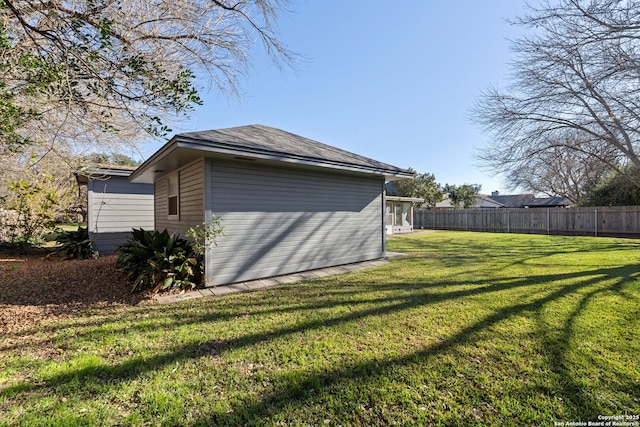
468 329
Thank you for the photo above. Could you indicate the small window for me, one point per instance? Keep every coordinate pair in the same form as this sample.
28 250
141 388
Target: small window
398 214
173 202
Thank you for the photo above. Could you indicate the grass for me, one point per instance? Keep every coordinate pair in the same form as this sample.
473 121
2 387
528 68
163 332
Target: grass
468 329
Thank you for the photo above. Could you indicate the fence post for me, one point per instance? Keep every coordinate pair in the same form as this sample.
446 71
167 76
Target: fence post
508 220
548 221
596 221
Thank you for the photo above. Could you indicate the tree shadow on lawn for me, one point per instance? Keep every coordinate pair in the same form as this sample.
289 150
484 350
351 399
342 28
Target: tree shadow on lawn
296 393
558 342
397 296
285 396
522 247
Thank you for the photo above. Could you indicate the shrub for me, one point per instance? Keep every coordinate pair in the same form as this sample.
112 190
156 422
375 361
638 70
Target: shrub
75 244
203 237
158 261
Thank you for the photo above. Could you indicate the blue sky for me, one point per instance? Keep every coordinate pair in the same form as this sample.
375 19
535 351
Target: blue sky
393 81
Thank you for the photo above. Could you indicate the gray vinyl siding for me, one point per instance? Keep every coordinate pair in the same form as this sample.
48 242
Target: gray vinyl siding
115 207
283 220
190 199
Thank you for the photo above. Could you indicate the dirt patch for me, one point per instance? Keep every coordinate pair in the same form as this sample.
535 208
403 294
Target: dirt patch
33 288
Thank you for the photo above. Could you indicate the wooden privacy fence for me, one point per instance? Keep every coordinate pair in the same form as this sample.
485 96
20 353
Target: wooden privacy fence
621 221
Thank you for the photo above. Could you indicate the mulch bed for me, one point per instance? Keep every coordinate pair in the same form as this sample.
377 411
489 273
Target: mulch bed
33 288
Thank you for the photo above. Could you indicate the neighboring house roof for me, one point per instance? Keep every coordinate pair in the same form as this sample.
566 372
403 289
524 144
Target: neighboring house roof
390 189
530 201
103 171
485 201
258 142
444 204
482 201
511 201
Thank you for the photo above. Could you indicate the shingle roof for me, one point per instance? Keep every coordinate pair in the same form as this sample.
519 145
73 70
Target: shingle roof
260 139
266 143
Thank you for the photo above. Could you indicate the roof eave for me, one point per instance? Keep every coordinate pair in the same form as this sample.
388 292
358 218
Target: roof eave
138 174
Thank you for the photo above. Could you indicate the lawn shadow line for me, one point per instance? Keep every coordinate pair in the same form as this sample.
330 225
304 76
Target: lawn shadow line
296 392
181 316
135 367
558 347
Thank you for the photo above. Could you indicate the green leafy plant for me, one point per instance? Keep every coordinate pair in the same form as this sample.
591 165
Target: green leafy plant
159 261
75 244
204 237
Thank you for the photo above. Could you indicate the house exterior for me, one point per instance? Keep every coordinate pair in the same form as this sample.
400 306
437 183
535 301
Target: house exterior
485 201
530 201
115 205
482 202
287 203
495 200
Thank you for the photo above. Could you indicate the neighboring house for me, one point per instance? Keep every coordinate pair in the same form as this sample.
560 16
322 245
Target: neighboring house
399 214
115 205
530 201
482 201
485 201
287 203
495 200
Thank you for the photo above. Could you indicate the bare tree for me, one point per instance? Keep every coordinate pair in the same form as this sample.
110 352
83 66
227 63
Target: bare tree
576 72
568 167
112 72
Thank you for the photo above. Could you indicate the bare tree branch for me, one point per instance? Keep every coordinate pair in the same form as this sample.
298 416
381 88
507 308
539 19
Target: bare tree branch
575 77
121 70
